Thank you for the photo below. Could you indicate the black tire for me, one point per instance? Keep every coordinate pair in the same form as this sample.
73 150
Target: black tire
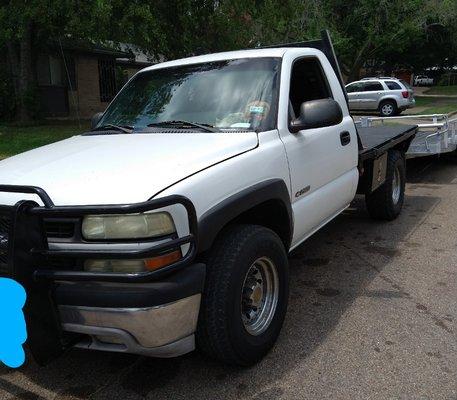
388 108
221 333
381 204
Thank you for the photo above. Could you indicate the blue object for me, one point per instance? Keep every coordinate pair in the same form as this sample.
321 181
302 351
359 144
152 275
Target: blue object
13 331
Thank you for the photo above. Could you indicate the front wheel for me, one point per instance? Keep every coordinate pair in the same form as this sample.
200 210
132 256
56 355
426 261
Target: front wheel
386 202
245 297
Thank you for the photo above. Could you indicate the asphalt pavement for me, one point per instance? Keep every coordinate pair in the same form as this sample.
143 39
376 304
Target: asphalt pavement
372 315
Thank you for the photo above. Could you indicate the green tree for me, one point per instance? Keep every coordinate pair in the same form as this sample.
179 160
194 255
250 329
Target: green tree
27 26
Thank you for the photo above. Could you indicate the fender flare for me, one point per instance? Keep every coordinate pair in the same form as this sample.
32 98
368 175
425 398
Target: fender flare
217 217
383 99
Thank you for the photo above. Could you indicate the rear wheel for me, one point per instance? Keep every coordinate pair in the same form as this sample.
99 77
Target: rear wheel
387 108
386 202
245 297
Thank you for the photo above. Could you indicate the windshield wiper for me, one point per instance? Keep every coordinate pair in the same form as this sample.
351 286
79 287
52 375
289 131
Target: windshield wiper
124 128
184 124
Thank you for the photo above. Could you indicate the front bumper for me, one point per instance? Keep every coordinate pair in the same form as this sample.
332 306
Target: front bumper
153 312
155 319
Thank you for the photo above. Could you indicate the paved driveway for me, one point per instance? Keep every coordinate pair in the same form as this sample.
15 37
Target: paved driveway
373 315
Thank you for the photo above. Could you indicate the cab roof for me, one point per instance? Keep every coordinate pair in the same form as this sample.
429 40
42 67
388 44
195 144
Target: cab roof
229 55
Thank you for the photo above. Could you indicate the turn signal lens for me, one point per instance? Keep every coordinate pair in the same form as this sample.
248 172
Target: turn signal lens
162 261
132 266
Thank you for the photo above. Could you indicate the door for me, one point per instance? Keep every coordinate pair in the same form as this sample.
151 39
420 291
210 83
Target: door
371 95
354 91
322 161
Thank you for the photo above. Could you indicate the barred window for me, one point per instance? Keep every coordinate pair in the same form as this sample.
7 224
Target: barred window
107 79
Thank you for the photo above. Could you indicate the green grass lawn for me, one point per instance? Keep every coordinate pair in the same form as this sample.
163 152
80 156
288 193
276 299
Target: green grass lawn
15 139
430 105
443 90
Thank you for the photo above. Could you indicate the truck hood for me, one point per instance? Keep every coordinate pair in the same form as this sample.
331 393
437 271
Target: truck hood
118 169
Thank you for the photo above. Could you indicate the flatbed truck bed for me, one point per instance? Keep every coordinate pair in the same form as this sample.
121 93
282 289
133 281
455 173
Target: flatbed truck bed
374 141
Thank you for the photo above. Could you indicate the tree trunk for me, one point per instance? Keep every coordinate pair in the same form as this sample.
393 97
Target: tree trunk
13 63
354 72
25 81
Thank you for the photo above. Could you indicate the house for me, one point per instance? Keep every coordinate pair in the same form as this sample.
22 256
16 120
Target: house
75 80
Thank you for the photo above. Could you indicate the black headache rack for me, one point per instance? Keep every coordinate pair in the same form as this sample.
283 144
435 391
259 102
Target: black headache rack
323 44
25 256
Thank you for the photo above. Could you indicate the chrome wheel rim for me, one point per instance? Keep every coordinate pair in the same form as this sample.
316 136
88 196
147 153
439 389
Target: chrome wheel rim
259 296
387 109
396 186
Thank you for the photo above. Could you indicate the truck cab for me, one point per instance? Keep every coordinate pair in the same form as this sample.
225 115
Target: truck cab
167 226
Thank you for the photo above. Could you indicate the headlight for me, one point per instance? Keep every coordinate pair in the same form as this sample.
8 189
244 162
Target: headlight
131 226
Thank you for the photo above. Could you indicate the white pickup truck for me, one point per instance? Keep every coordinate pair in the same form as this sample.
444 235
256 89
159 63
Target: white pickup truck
167 226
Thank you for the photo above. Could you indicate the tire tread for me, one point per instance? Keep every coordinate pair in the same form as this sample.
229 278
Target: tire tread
213 333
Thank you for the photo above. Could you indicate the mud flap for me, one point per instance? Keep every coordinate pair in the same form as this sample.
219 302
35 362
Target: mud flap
44 335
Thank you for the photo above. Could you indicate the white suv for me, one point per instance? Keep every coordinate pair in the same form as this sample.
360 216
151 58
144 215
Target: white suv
389 96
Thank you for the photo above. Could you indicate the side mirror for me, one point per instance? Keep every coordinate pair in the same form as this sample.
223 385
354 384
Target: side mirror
96 119
317 114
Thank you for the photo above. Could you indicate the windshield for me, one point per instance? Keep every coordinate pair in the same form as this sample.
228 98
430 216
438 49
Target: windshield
232 94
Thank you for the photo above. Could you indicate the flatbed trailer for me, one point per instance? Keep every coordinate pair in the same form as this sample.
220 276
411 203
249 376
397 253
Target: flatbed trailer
436 133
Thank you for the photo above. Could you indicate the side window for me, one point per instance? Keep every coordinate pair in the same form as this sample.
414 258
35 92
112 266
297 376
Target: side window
354 87
372 86
307 83
393 85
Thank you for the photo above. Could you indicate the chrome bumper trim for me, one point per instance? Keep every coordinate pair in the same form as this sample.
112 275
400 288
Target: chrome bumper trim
148 327
127 343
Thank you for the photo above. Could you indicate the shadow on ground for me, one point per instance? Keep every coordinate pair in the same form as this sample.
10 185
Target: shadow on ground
428 172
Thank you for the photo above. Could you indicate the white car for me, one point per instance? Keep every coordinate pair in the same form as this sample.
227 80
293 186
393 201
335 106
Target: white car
167 226
423 80
387 96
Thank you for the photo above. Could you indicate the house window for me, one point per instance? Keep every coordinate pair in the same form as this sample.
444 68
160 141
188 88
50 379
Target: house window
52 71
107 79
